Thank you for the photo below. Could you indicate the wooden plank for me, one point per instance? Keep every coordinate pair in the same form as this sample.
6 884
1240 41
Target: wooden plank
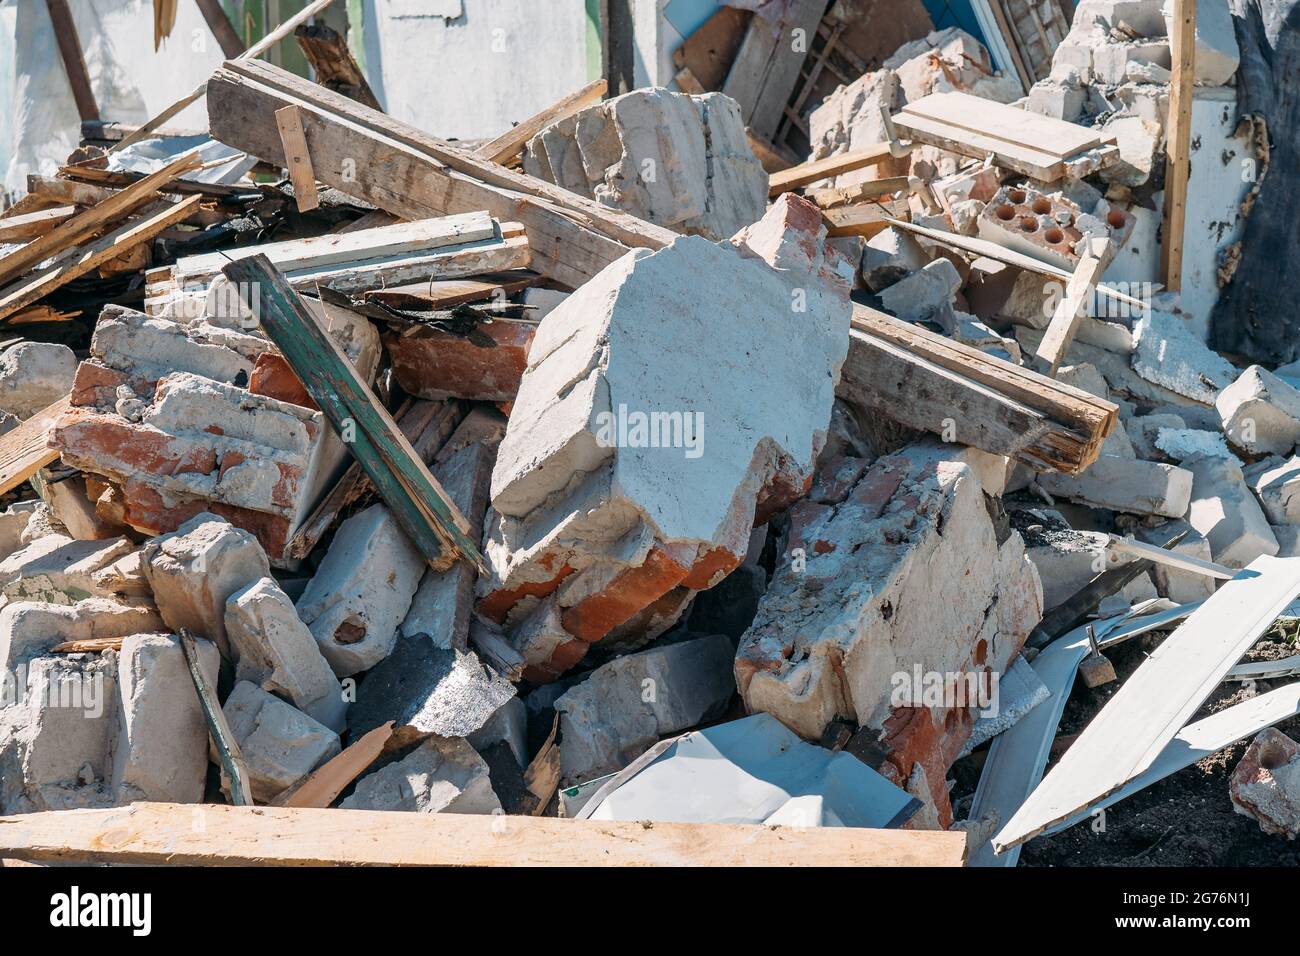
861 192
818 169
861 219
413 176
446 293
420 505
509 146
1074 305
297 158
333 63
1178 168
332 778
1011 125
927 381
256 50
26 449
74 64
1151 707
40 284
223 738
165 834
81 227
346 249
1043 166
766 70
219 24
34 224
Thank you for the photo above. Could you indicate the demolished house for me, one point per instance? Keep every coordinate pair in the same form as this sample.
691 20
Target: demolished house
890 434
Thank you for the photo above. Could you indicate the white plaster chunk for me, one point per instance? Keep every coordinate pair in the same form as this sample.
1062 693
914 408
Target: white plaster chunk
1224 509
442 775
34 375
280 744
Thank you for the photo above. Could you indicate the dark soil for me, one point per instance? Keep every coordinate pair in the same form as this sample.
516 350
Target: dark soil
1186 819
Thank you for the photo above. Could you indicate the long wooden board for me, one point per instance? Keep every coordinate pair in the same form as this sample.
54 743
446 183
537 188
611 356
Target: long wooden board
1012 125
1178 167
167 834
817 169
1136 725
26 450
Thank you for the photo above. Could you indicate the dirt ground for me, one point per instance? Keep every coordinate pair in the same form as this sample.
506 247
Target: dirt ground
1186 819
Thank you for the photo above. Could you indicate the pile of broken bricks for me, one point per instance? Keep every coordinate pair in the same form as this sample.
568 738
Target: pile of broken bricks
511 481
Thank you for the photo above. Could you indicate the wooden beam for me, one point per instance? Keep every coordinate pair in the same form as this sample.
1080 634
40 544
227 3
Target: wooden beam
928 381
40 284
864 219
297 158
418 502
74 64
333 63
766 68
1074 305
1178 168
34 224
26 449
219 24
510 145
817 169
166 834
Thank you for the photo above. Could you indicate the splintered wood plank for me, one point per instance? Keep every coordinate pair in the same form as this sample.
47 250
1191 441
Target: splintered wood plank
26 450
79 228
167 834
1178 168
297 158
418 502
1070 311
334 65
445 293
510 145
42 283
865 219
1148 711
332 778
34 224
818 169
1007 123
219 24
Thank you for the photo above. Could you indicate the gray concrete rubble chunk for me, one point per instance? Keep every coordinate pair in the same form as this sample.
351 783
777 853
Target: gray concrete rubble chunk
1276 483
194 570
1217 54
426 689
1224 509
925 294
34 375
674 159
58 570
1265 784
1168 353
1260 412
277 652
362 591
1125 484
439 776
161 753
281 745
629 703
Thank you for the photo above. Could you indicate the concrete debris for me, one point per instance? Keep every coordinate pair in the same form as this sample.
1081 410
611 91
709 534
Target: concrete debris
626 705
280 744
1224 509
34 375
439 776
1266 784
677 160
1169 354
1260 413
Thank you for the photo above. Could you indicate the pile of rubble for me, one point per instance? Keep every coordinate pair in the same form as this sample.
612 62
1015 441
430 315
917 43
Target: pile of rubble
616 460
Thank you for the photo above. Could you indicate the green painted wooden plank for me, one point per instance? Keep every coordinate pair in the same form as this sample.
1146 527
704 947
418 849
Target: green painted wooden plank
402 480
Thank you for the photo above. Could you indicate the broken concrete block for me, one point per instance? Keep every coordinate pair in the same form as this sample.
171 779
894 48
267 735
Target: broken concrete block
277 652
1139 144
626 705
1168 353
950 60
1276 483
426 690
1059 100
194 571
72 507
1288 540
673 159
1217 54
1260 412
850 120
58 570
34 375
926 294
1143 430
541 302
444 601
602 492
29 629
907 573
12 522
281 745
508 725
439 776
1265 785
1224 509
1111 62
161 754
1125 484
889 256
362 591
1183 443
